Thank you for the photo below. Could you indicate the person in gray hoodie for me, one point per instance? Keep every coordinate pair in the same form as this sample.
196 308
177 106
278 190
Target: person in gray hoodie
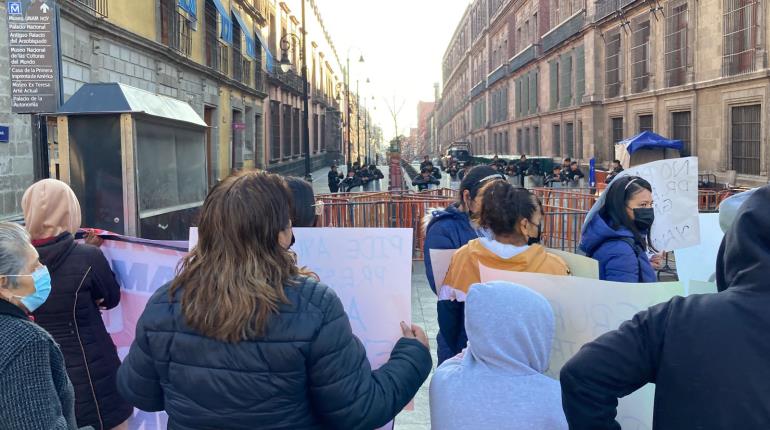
498 381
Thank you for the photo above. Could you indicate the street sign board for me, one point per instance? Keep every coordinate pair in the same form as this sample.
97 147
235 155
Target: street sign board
4 132
32 55
239 126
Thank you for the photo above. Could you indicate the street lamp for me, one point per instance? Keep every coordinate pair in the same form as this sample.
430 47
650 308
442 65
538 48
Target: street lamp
286 66
347 102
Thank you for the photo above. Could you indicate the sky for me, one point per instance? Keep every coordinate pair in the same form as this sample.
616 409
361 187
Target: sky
402 42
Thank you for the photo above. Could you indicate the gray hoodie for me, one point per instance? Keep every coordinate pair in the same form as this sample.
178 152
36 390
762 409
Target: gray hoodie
498 382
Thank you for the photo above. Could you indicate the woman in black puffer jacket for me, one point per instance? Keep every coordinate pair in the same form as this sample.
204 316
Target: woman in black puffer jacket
240 339
81 283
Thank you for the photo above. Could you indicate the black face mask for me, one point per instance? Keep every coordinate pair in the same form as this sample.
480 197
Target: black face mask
536 240
643 218
292 240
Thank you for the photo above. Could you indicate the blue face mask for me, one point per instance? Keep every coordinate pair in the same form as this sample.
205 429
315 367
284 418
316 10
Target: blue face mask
42 289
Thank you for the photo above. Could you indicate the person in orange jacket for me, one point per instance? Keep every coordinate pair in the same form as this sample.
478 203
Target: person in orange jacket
512 217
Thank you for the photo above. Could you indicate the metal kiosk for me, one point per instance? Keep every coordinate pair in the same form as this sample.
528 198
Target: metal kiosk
136 160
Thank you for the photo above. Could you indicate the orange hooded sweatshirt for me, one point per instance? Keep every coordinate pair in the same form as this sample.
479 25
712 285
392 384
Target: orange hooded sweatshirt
464 268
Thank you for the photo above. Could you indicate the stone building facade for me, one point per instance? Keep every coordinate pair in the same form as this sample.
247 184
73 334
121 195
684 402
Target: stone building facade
220 56
570 78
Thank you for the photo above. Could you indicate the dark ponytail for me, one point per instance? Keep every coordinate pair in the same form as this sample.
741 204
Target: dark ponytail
503 206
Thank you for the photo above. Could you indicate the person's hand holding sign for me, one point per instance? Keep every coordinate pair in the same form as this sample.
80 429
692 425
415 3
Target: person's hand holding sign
415 332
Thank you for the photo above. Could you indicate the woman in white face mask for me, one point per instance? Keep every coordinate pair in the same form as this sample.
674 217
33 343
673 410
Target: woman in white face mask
35 392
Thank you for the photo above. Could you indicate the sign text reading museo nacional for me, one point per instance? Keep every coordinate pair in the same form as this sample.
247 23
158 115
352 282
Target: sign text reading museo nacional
32 54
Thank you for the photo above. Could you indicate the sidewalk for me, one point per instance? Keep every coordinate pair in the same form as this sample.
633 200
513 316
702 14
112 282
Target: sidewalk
424 315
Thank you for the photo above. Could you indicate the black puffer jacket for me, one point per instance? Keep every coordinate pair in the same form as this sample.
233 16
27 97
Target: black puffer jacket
80 276
308 372
708 355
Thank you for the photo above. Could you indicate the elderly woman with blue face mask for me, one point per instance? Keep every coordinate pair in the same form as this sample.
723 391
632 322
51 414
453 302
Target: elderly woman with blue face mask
35 392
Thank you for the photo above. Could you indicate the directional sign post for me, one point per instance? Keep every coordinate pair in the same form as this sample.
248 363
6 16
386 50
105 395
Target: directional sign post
33 56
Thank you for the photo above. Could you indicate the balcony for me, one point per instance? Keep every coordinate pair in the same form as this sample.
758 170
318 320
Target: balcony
288 79
522 59
479 88
98 7
258 7
605 8
497 74
564 31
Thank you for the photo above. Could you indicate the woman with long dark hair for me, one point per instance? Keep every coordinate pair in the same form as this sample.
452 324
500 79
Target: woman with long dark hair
618 235
242 339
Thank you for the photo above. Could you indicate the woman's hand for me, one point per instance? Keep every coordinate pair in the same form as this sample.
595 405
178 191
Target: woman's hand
415 332
658 260
92 238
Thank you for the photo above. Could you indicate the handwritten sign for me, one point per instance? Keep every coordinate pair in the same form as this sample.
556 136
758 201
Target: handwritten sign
698 263
675 193
369 269
587 308
439 261
579 265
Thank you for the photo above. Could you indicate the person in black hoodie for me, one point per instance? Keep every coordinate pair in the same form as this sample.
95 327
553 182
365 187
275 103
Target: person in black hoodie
335 178
425 179
82 284
708 355
352 181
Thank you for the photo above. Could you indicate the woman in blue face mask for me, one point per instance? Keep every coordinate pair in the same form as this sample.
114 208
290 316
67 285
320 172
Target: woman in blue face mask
35 392
618 235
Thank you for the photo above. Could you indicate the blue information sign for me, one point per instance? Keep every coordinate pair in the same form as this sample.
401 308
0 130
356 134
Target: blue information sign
4 131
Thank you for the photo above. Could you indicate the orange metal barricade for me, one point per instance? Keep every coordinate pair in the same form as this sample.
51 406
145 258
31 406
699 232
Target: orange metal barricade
564 212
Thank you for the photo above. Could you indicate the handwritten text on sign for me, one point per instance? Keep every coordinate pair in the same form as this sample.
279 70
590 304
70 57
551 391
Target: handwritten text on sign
675 193
369 269
584 309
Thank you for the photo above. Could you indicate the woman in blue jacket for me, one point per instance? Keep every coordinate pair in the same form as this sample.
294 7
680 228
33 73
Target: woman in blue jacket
618 234
451 228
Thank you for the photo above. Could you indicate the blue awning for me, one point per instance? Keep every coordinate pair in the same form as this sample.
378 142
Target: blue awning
269 59
247 34
650 140
226 32
189 6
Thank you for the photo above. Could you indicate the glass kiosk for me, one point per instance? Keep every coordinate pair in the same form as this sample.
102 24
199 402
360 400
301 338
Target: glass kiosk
136 160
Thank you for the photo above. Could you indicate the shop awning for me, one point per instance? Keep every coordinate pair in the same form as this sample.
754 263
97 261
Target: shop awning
115 98
189 6
226 32
269 58
247 34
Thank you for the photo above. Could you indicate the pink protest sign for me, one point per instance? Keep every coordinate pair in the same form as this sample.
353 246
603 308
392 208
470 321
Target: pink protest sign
369 269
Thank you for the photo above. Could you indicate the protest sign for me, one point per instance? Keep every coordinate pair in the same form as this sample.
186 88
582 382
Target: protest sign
675 193
579 265
439 261
587 308
369 269
141 267
699 262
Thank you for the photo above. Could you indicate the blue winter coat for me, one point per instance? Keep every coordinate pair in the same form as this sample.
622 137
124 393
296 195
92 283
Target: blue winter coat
446 229
618 260
308 371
